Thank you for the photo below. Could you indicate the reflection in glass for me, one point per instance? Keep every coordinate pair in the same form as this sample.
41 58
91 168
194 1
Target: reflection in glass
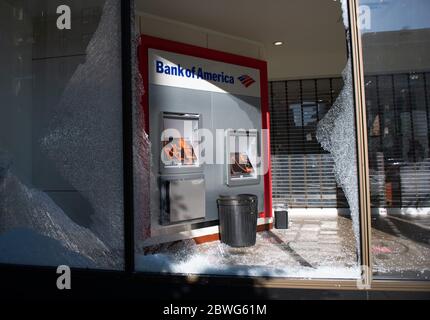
61 135
396 49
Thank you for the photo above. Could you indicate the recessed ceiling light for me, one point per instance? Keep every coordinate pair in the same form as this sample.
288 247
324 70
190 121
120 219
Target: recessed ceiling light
278 43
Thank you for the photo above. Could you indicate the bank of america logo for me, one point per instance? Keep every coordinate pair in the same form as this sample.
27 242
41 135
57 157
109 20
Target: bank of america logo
246 80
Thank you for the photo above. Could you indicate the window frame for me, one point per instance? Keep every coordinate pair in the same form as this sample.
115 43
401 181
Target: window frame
129 273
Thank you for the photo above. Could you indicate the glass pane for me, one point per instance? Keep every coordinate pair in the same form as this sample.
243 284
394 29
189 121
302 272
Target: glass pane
308 227
61 194
396 49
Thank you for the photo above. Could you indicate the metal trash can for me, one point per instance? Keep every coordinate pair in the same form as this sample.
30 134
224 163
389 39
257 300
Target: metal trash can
238 219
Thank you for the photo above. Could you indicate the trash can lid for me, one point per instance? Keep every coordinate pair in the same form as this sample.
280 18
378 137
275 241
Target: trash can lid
241 199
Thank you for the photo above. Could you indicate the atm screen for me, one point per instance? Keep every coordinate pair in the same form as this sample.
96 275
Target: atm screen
179 151
240 166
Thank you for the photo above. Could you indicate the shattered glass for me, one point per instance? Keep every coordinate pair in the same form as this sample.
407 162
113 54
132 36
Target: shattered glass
141 150
26 212
310 248
89 140
337 134
83 140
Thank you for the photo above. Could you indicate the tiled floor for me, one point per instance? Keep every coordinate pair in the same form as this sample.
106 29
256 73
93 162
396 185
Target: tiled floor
311 247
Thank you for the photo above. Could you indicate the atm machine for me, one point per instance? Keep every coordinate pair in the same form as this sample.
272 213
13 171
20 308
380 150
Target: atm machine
182 182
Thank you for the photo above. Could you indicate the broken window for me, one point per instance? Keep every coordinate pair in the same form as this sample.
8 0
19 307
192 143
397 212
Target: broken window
306 134
61 183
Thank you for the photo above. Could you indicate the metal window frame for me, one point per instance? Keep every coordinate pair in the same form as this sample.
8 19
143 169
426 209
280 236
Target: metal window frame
127 123
362 145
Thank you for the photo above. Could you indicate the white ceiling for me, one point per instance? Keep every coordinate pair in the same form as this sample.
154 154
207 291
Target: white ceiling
310 29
